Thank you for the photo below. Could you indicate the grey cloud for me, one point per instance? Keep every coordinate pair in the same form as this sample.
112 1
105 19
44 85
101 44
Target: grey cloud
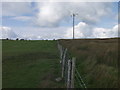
52 13
16 8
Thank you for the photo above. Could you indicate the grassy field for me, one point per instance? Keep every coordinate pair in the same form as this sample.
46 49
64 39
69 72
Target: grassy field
97 60
35 64
30 64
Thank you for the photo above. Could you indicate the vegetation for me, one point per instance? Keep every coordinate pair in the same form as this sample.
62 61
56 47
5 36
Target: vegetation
97 60
35 64
30 64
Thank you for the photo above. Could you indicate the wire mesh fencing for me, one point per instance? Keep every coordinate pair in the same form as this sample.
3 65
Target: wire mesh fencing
69 72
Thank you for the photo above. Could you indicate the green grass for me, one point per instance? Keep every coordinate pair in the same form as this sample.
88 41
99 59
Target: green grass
97 60
30 64
35 64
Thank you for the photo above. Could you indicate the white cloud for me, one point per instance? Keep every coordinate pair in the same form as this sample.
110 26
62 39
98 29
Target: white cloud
49 14
6 32
115 30
83 30
22 18
40 33
52 13
79 29
105 33
31 37
100 33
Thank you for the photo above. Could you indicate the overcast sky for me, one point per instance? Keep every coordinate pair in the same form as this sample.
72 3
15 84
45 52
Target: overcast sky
53 20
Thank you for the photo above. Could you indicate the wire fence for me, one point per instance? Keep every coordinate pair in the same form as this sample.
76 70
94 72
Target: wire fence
70 73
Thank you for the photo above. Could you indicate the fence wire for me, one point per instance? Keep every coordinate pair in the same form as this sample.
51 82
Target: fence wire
80 78
67 68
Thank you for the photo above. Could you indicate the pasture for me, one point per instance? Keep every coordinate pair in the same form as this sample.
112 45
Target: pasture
30 64
35 63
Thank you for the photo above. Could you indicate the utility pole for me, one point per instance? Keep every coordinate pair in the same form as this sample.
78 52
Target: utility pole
73 24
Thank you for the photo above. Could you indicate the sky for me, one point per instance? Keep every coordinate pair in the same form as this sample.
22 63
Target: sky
53 20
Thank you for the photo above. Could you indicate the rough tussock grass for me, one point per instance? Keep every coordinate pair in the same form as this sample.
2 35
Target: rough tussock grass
97 60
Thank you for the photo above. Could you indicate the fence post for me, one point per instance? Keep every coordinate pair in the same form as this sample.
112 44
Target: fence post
70 65
68 77
63 62
60 49
73 72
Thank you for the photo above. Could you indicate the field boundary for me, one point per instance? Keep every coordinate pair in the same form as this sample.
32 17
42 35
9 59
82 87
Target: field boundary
69 72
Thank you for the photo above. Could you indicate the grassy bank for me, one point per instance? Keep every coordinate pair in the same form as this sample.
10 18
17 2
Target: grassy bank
97 60
30 64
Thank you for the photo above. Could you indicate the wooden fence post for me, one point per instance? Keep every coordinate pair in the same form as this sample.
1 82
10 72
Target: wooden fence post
68 77
63 62
70 65
61 51
73 72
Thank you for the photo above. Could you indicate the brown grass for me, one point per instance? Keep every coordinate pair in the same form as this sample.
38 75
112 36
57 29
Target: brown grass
97 60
